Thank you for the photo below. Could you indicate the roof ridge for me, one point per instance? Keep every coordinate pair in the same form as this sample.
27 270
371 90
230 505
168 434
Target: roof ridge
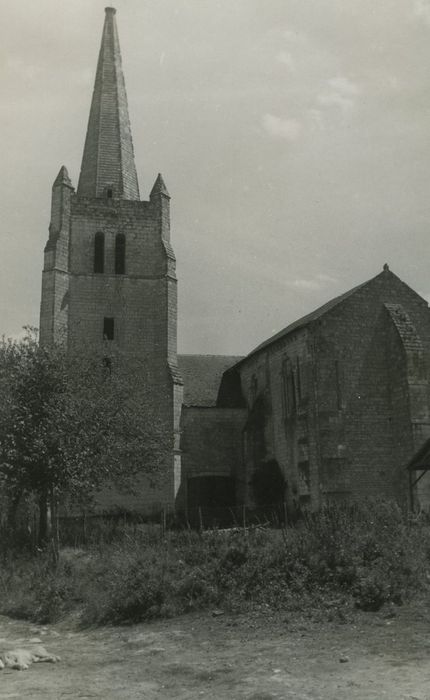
316 313
202 354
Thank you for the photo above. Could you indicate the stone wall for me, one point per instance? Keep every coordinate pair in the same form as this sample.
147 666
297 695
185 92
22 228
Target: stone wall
211 444
345 395
55 276
142 303
373 425
264 376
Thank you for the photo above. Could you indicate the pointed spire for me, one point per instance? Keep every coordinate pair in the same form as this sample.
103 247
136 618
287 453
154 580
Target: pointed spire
63 178
108 159
159 187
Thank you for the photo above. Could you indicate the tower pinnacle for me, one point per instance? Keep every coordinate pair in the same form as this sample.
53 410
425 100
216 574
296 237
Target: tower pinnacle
108 159
159 187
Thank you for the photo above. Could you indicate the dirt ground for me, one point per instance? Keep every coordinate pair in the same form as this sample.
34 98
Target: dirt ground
254 657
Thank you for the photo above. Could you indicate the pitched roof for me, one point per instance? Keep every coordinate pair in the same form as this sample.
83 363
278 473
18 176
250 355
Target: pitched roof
159 187
63 178
202 376
316 314
108 159
309 318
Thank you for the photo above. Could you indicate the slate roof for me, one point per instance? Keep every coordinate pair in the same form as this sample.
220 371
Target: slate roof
309 318
108 158
202 376
316 314
63 178
159 187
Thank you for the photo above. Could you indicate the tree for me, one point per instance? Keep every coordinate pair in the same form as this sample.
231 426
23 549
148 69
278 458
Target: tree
73 422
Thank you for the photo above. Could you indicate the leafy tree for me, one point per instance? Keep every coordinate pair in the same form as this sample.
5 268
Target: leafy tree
70 424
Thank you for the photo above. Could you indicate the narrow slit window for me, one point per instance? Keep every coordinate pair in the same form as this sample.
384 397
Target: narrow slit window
120 254
298 380
292 390
289 388
338 369
284 398
108 328
254 388
99 252
107 365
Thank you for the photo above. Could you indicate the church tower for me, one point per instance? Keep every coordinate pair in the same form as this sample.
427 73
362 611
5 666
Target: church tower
109 270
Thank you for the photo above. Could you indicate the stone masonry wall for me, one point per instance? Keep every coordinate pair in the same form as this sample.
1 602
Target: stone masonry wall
143 304
55 276
142 301
362 360
409 394
288 434
211 444
337 398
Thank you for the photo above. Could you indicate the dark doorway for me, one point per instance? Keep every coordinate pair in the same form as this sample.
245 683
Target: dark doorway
211 500
211 491
108 328
268 484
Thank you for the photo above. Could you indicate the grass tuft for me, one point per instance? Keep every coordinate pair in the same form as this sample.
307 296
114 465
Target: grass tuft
366 555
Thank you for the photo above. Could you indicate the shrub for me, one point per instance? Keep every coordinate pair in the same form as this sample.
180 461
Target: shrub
368 555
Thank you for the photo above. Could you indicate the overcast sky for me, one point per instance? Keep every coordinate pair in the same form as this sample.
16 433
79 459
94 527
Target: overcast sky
293 136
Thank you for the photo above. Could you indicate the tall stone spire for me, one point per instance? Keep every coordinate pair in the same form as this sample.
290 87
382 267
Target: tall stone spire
108 161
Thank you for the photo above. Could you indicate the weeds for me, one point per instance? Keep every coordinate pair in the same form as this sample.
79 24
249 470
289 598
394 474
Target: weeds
366 555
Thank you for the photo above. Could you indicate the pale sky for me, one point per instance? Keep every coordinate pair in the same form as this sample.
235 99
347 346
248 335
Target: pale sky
293 136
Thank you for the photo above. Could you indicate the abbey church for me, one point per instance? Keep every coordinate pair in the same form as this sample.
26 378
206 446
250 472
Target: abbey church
336 404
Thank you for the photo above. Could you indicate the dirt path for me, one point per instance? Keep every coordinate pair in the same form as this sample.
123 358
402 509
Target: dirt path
253 658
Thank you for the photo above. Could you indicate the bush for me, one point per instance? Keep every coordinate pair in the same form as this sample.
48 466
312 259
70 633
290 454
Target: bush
368 555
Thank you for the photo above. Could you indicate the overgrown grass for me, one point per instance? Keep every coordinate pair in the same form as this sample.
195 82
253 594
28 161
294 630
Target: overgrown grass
367 555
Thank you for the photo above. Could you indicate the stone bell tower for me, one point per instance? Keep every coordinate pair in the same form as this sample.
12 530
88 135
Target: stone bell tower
109 272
